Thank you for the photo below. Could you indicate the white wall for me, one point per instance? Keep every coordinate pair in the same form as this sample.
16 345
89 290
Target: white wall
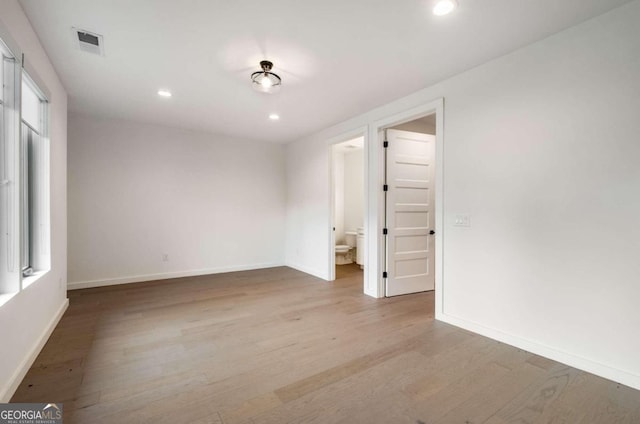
137 192
28 317
541 149
353 190
338 193
348 180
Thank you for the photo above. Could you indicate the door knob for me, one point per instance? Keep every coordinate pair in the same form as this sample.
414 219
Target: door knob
432 232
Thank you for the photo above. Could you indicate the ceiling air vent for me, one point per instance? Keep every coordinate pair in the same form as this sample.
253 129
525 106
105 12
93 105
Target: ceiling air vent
89 42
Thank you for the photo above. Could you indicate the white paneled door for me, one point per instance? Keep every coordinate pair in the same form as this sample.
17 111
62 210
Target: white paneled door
410 217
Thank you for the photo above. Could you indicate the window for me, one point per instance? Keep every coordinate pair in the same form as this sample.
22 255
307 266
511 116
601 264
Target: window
34 173
24 174
9 194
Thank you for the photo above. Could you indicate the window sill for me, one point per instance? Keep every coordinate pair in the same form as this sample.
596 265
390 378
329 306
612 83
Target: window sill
27 281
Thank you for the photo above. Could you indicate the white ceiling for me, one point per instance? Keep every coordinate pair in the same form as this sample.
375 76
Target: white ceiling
337 58
355 145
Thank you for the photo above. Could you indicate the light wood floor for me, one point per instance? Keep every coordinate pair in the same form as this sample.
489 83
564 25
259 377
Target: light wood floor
279 346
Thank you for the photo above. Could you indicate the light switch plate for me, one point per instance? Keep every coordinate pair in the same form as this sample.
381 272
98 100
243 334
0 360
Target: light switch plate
462 221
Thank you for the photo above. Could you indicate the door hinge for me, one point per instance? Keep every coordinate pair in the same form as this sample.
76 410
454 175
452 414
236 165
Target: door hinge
384 274
384 231
385 187
385 144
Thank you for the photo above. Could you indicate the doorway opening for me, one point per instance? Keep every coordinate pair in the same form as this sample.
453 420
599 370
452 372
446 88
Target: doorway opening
418 120
348 166
409 218
377 270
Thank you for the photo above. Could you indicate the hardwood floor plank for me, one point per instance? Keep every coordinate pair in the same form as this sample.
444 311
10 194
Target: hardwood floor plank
280 346
330 376
485 403
530 406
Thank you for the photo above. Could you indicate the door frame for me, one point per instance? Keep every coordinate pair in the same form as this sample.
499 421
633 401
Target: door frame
350 135
374 283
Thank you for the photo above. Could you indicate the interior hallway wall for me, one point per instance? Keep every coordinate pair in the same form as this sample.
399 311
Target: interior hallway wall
353 190
541 150
338 193
139 192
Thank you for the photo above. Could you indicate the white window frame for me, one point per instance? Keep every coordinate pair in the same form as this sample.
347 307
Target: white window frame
15 68
36 241
10 276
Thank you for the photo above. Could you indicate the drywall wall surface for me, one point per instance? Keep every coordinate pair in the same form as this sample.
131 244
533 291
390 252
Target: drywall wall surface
27 317
353 190
338 193
541 151
147 202
308 210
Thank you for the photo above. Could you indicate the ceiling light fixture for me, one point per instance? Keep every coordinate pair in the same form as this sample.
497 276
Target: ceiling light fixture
164 93
274 116
444 7
266 81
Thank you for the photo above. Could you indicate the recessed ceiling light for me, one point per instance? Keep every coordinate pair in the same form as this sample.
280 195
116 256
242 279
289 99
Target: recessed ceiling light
164 93
444 7
274 116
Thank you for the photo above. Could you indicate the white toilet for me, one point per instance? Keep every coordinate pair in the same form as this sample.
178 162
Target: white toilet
344 252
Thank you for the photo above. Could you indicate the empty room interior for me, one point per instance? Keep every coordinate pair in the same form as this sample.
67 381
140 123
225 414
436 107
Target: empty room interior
418 211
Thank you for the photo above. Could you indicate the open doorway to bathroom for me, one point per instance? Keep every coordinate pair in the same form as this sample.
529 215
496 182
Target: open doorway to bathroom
348 208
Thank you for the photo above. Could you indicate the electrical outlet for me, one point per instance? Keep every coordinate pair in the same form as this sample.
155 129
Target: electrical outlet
462 221
165 257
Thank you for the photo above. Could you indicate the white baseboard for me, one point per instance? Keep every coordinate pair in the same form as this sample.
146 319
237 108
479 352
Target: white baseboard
7 392
167 275
602 370
307 270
